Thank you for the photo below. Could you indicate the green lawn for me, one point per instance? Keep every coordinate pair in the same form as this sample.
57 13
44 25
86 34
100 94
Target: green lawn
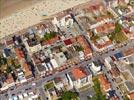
118 37
49 85
69 95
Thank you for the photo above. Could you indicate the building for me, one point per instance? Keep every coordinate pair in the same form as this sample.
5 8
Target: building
27 71
105 84
105 28
131 96
87 49
9 82
80 77
130 86
60 58
94 67
103 43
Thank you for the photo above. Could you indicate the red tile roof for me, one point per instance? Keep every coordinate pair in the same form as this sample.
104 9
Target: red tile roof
84 44
26 70
78 73
9 79
19 53
51 41
106 28
68 42
128 52
104 82
131 96
107 43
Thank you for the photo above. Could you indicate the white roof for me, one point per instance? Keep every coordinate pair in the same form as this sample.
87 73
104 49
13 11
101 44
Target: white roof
54 63
25 94
15 98
29 98
21 73
20 96
34 96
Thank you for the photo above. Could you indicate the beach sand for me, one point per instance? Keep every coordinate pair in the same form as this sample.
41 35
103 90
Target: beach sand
7 7
27 14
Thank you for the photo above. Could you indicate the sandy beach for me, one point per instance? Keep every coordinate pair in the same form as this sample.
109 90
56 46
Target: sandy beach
29 14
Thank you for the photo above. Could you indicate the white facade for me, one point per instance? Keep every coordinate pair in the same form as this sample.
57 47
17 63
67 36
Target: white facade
94 69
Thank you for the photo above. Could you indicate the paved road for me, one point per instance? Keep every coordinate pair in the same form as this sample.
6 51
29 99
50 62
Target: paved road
41 81
106 53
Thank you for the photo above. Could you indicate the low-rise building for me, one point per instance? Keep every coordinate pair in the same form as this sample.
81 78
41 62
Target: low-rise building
103 43
80 77
131 96
94 67
105 84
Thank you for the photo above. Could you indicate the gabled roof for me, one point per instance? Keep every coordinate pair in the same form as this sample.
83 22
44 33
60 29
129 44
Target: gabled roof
9 79
128 52
131 95
78 73
104 82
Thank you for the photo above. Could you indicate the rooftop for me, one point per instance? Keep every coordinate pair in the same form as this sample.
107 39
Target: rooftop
9 79
78 73
128 52
19 53
131 95
104 82
130 85
26 70
103 42
84 44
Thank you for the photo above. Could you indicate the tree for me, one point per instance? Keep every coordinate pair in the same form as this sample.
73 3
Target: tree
132 65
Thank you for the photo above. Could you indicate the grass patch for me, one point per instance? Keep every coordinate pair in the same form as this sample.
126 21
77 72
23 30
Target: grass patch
95 37
69 95
78 48
49 85
118 35
49 36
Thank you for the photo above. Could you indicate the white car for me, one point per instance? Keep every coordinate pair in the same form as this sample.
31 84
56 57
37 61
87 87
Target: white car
33 84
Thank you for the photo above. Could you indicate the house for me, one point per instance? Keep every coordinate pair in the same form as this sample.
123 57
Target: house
94 67
128 52
27 71
9 82
21 76
103 43
50 91
109 62
131 95
105 84
87 50
130 86
33 48
105 28
61 82
79 77
60 58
